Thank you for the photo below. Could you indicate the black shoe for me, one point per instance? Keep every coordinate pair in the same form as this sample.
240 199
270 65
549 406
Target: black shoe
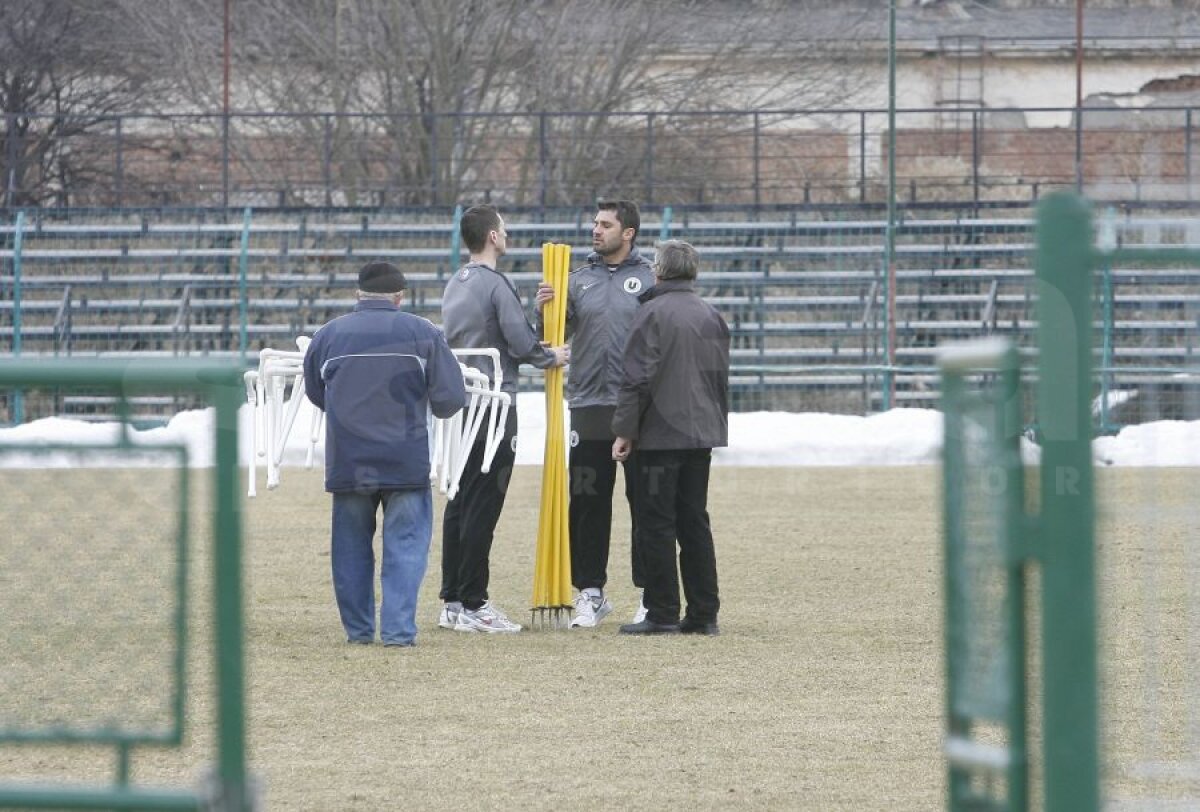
650 627
697 627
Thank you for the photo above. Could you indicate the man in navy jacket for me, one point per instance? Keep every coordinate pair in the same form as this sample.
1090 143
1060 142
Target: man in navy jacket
377 372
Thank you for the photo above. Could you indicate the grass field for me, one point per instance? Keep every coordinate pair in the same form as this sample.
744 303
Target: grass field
824 691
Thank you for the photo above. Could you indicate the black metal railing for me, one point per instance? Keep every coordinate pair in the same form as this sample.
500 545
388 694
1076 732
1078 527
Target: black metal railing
981 157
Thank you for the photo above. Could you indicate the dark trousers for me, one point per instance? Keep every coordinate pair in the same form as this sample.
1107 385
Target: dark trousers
672 504
593 476
469 522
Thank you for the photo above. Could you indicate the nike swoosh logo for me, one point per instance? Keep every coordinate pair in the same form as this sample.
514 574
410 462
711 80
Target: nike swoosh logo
585 287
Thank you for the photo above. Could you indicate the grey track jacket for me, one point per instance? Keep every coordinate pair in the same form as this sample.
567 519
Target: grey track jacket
600 308
480 309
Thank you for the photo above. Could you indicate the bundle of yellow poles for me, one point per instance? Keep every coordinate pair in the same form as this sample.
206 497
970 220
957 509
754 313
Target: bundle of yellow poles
552 562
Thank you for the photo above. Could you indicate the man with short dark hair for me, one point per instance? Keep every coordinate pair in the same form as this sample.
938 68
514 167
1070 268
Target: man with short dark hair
602 298
481 309
377 372
674 406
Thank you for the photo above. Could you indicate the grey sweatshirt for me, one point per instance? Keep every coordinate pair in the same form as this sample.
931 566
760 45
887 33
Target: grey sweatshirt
481 309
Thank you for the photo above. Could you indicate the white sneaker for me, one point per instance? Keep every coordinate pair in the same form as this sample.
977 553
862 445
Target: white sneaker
640 614
448 617
486 618
588 613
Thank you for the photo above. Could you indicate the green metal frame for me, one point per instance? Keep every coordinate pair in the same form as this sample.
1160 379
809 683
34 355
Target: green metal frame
1066 526
455 241
243 295
984 775
122 739
1060 541
18 247
230 789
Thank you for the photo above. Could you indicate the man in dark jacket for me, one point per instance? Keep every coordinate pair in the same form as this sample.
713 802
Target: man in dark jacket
377 372
674 406
602 298
481 309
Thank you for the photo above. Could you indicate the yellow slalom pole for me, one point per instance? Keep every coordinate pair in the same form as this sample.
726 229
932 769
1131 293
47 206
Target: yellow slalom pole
552 563
563 576
541 562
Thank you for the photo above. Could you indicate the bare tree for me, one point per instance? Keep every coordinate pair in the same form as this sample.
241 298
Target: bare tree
673 60
66 68
429 101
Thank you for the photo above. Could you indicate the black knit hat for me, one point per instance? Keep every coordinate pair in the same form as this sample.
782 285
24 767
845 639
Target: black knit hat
381 277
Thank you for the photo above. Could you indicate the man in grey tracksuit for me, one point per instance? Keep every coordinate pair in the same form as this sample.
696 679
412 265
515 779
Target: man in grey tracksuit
602 298
481 309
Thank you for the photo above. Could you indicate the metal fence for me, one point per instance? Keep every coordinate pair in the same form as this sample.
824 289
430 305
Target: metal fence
103 664
816 325
984 157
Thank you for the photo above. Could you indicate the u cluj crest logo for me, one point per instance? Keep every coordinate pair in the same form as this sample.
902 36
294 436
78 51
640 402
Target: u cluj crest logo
633 285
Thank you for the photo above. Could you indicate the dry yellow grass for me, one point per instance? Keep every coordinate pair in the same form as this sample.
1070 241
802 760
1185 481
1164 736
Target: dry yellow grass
824 691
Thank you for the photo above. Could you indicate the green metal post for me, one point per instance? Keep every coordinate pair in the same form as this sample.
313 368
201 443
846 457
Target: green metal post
889 251
664 232
1016 538
243 302
1107 243
123 765
456 239
953 501
986 480
227 583
1071 748
18 413
1106 357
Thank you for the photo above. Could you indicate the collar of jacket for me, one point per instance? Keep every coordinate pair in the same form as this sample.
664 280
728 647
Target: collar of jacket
483 267
634 258
662 286
374 304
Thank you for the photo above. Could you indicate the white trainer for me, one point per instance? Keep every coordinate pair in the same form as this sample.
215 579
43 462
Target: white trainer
640 614
448 617
588 613
487 619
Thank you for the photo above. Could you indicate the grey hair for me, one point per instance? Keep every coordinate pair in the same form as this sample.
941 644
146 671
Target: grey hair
387 297
675 259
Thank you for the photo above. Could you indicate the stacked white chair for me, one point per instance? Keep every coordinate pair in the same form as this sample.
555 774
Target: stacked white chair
275 409
453 437
274 417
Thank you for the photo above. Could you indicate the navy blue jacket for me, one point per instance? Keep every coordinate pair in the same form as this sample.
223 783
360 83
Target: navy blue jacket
377 372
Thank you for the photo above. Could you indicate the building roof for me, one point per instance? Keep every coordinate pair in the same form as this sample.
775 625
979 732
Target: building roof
1137 26
1036 27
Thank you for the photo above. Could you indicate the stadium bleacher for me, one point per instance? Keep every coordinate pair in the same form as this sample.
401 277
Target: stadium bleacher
805 300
